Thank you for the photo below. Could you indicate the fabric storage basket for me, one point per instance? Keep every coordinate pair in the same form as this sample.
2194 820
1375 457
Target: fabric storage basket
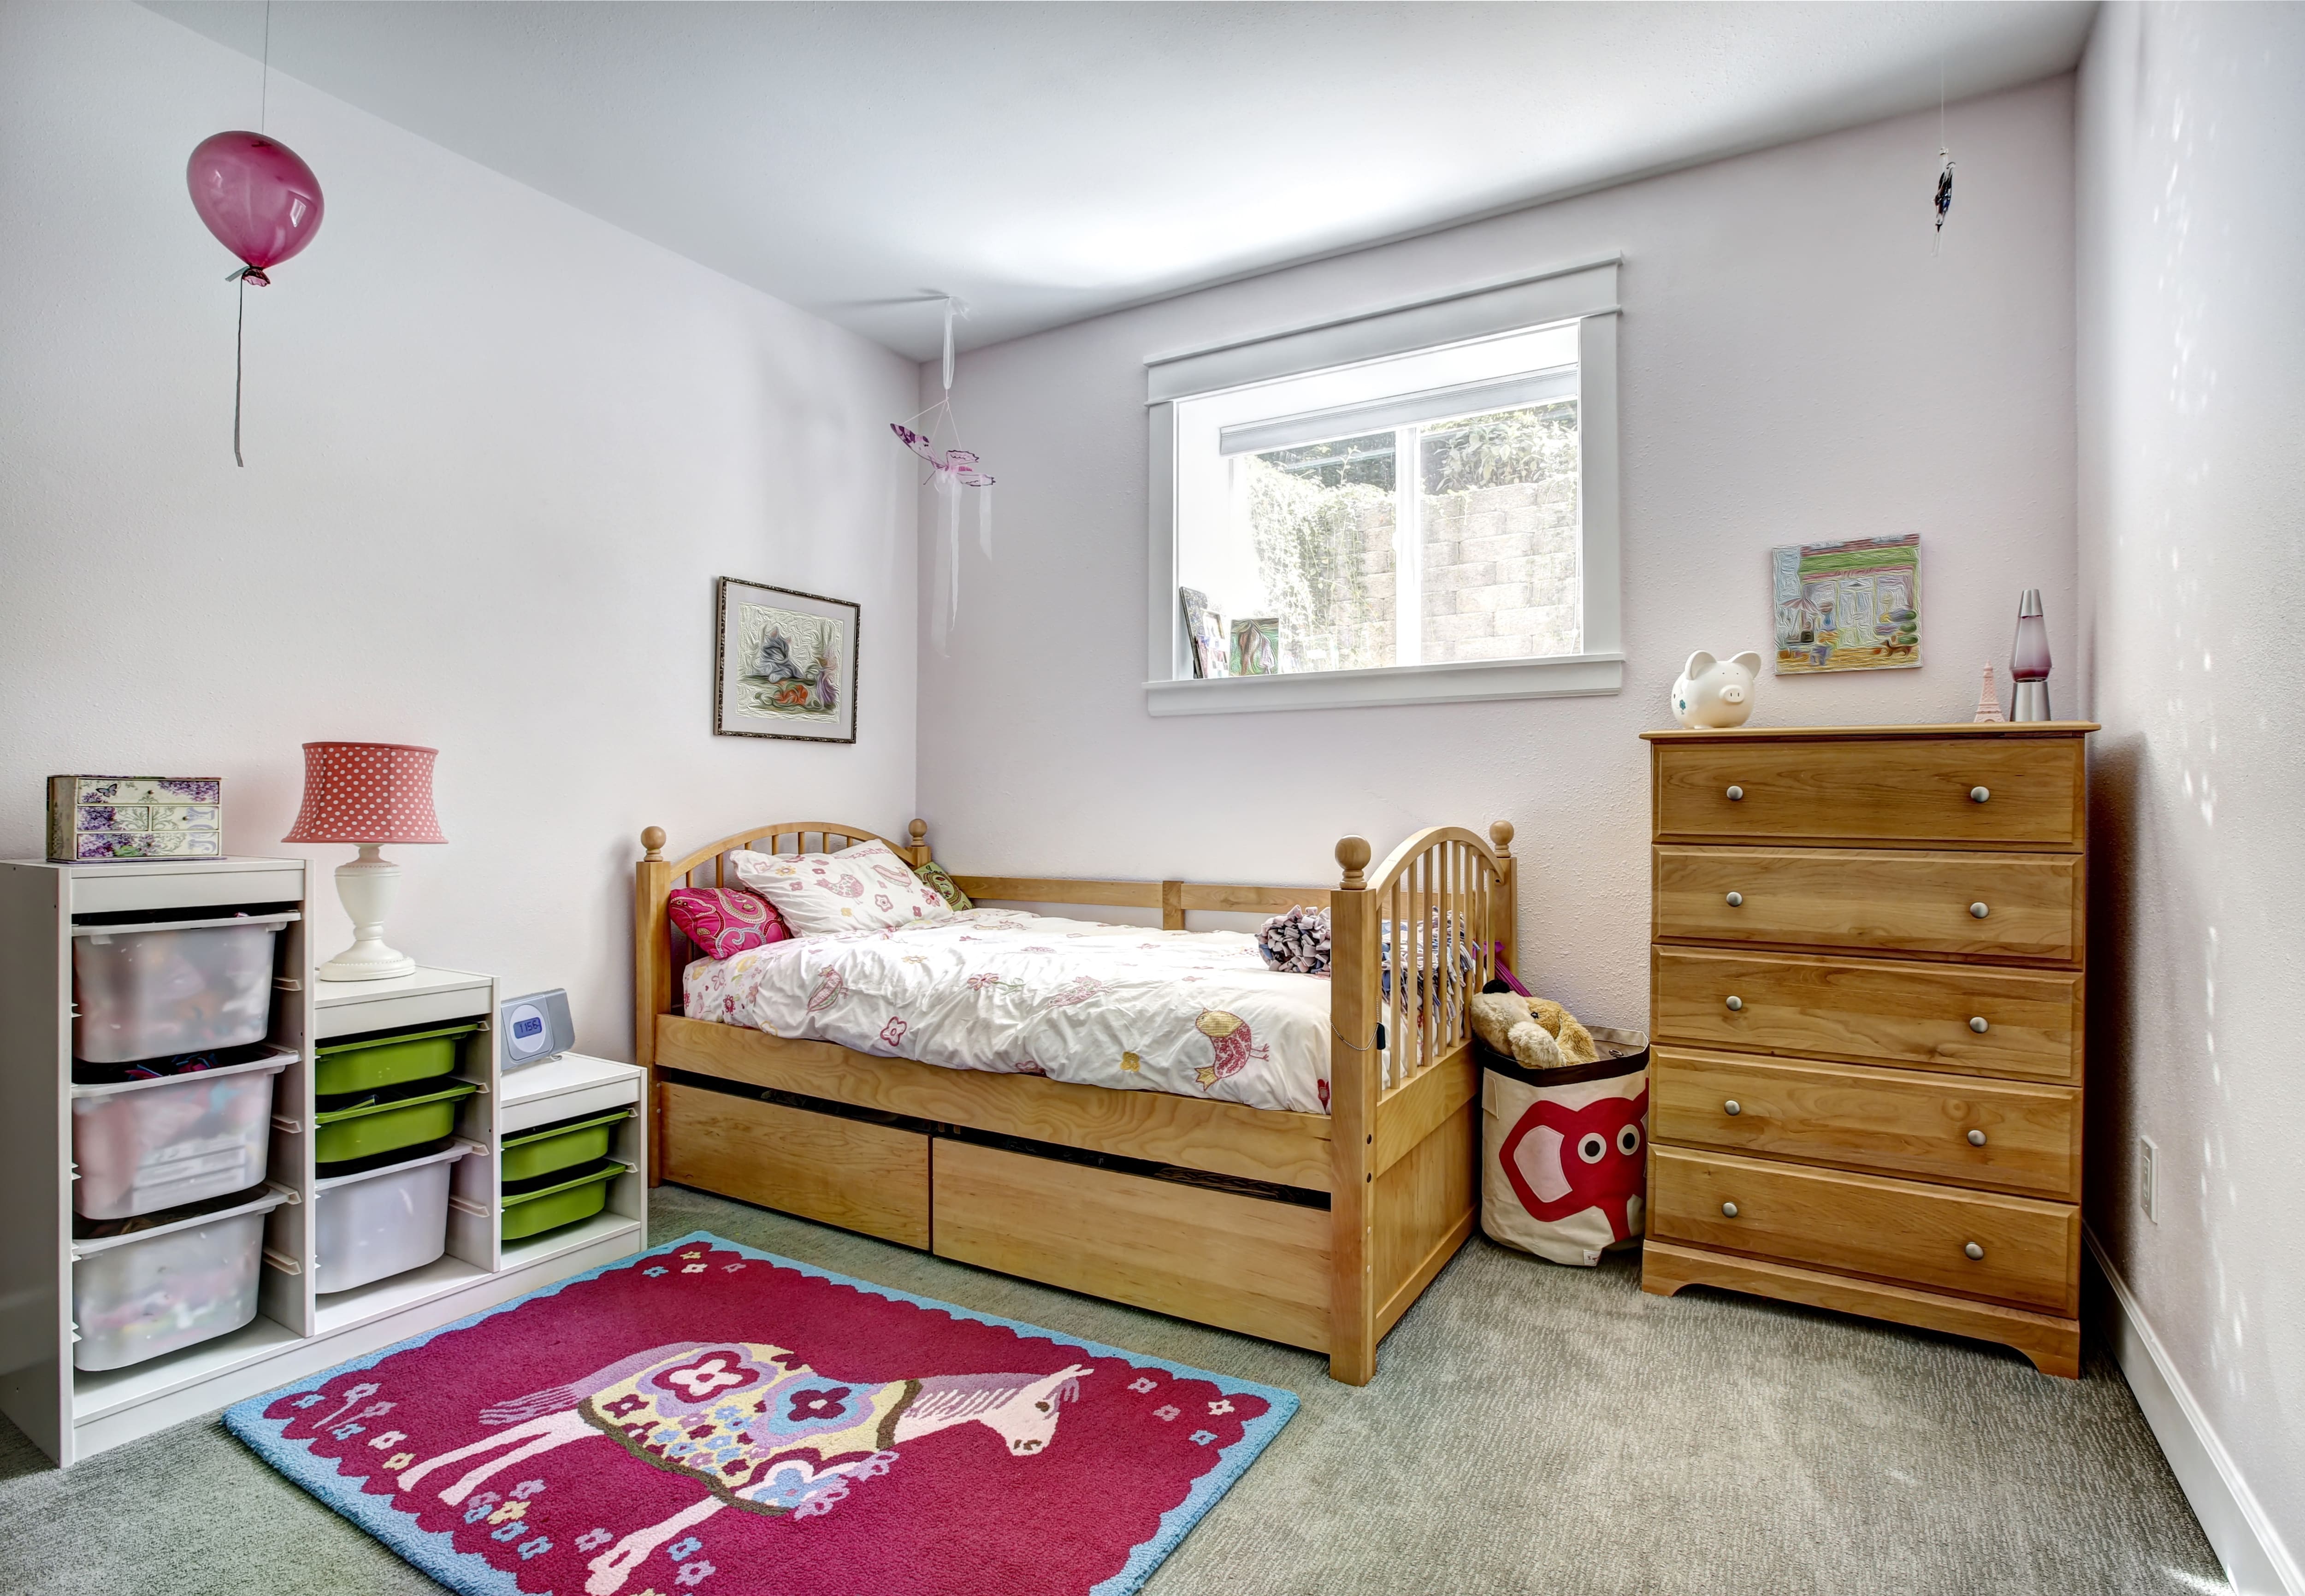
381 1222
142 1145
553 1201
1564 1151
159 989
369 1125
150 1291
561 1145
388 1060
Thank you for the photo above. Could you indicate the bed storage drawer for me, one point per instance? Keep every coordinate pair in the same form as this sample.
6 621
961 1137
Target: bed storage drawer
1244 1263
1999 1135
1972 1243
1872 1011
1905 792
1894 901
845 1172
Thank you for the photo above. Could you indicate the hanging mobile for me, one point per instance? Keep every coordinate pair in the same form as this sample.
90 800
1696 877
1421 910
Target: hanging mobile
950 472
1944 154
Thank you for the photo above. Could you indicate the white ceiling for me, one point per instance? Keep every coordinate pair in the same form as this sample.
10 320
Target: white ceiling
1048 162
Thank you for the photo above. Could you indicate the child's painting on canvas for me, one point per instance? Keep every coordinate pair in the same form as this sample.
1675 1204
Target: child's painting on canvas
786 663
1848 607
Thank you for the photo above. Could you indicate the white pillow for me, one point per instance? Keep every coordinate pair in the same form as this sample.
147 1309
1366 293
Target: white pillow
863 888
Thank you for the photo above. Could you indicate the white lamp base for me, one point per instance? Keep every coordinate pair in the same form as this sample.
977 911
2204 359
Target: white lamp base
367 885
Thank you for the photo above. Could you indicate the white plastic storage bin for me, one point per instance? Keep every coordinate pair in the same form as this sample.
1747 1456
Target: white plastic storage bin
170 987
381 1222
142 1145
149 1292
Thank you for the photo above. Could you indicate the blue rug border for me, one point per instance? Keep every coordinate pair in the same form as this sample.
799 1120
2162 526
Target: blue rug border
433 1551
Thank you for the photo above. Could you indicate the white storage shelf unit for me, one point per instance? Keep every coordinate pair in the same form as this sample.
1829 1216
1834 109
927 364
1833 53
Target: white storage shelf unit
71 1413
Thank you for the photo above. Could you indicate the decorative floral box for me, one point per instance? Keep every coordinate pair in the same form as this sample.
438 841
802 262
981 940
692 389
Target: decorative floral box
135 816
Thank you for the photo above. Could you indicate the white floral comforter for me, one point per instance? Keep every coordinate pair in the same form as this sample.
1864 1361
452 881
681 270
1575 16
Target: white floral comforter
1195 1013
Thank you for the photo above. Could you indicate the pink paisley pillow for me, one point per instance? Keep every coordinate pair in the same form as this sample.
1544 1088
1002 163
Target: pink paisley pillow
725 921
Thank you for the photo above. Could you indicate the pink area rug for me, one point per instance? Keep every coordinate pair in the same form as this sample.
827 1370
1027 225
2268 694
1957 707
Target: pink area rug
706 1418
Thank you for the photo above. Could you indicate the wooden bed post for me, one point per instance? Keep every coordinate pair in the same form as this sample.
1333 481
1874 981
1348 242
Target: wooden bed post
919 852
1506 917
1353 1082
652 979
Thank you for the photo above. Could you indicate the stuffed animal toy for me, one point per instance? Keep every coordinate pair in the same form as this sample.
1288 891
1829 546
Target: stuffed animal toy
1535 1032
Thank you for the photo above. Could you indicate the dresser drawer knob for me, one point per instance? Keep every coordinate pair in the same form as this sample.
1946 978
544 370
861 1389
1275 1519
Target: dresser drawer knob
1736 795
1977 1138
1733 1107
1736 1006
1728 1210
1978 795
1977 1023
1736 900
1978 911
1976 1253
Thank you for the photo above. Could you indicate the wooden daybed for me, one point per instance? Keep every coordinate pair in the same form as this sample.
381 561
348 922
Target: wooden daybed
1316 1231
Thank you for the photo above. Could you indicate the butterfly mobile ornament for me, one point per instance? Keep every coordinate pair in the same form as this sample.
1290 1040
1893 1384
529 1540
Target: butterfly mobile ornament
950 473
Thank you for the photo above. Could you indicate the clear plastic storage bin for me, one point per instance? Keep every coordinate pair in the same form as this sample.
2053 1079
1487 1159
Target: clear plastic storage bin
142 1145
170 987
381 1222
150 1291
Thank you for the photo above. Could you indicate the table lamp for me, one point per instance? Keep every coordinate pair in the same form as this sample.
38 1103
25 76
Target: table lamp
368 795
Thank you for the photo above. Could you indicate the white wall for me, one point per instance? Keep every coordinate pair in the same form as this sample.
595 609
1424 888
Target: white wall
1795 367
2191 155
498 450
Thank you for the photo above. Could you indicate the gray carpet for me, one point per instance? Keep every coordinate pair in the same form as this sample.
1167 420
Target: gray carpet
1532 1429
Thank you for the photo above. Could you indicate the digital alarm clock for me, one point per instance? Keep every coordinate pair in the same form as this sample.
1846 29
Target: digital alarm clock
535 1028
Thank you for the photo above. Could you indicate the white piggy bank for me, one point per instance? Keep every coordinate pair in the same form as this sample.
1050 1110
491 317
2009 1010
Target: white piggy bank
1715 692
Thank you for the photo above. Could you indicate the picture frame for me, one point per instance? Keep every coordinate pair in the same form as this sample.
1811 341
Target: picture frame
1851 605
784 663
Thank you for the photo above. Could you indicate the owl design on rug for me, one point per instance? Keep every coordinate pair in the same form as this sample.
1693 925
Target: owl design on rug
1562 1160
1231 1046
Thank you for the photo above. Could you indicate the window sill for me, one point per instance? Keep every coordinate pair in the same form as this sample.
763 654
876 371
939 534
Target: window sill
1567 675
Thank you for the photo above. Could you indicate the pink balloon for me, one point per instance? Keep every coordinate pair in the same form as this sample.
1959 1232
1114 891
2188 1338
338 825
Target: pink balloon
256 195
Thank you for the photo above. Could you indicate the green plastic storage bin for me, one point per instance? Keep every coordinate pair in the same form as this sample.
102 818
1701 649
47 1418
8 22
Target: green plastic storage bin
367 1129
559 1146
386 1060
559 1202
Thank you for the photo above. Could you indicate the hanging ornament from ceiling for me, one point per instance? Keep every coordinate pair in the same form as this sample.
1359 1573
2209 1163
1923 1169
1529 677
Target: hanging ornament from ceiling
1944 155
263 204
952 470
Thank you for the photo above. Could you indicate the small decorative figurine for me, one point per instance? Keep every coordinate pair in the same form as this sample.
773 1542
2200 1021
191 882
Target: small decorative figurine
2029 660
1988 701
1715 692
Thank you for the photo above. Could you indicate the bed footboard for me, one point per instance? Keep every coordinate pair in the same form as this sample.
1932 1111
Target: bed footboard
1410 944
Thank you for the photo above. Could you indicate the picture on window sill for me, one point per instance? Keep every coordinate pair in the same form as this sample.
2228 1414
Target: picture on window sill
1256 646
785 664
1848 607
1205 629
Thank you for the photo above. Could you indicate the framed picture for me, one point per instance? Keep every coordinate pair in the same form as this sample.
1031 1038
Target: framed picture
1848 607
784 664
1256 646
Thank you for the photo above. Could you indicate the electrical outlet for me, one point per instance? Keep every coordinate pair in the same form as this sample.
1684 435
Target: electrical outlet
2148 1184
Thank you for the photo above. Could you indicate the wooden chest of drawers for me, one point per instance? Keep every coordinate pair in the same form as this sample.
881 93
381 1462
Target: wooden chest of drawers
1866 987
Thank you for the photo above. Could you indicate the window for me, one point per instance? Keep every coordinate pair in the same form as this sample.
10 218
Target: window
1413 526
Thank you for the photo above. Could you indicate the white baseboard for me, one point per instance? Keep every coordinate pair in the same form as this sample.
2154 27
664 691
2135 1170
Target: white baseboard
2244 1540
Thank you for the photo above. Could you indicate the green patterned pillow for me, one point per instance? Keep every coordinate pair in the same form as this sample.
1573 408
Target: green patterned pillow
932 873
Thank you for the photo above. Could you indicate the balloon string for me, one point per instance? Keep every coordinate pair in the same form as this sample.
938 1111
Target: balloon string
239 322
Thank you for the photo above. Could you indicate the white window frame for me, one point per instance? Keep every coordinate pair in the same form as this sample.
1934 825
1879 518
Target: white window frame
1585 294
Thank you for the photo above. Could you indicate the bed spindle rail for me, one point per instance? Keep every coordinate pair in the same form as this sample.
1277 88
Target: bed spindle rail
1410 942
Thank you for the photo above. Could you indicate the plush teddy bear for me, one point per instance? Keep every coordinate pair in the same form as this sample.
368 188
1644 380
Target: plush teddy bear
1535 1032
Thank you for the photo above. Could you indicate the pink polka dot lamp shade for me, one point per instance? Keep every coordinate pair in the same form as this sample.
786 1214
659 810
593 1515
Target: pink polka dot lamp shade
367 792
